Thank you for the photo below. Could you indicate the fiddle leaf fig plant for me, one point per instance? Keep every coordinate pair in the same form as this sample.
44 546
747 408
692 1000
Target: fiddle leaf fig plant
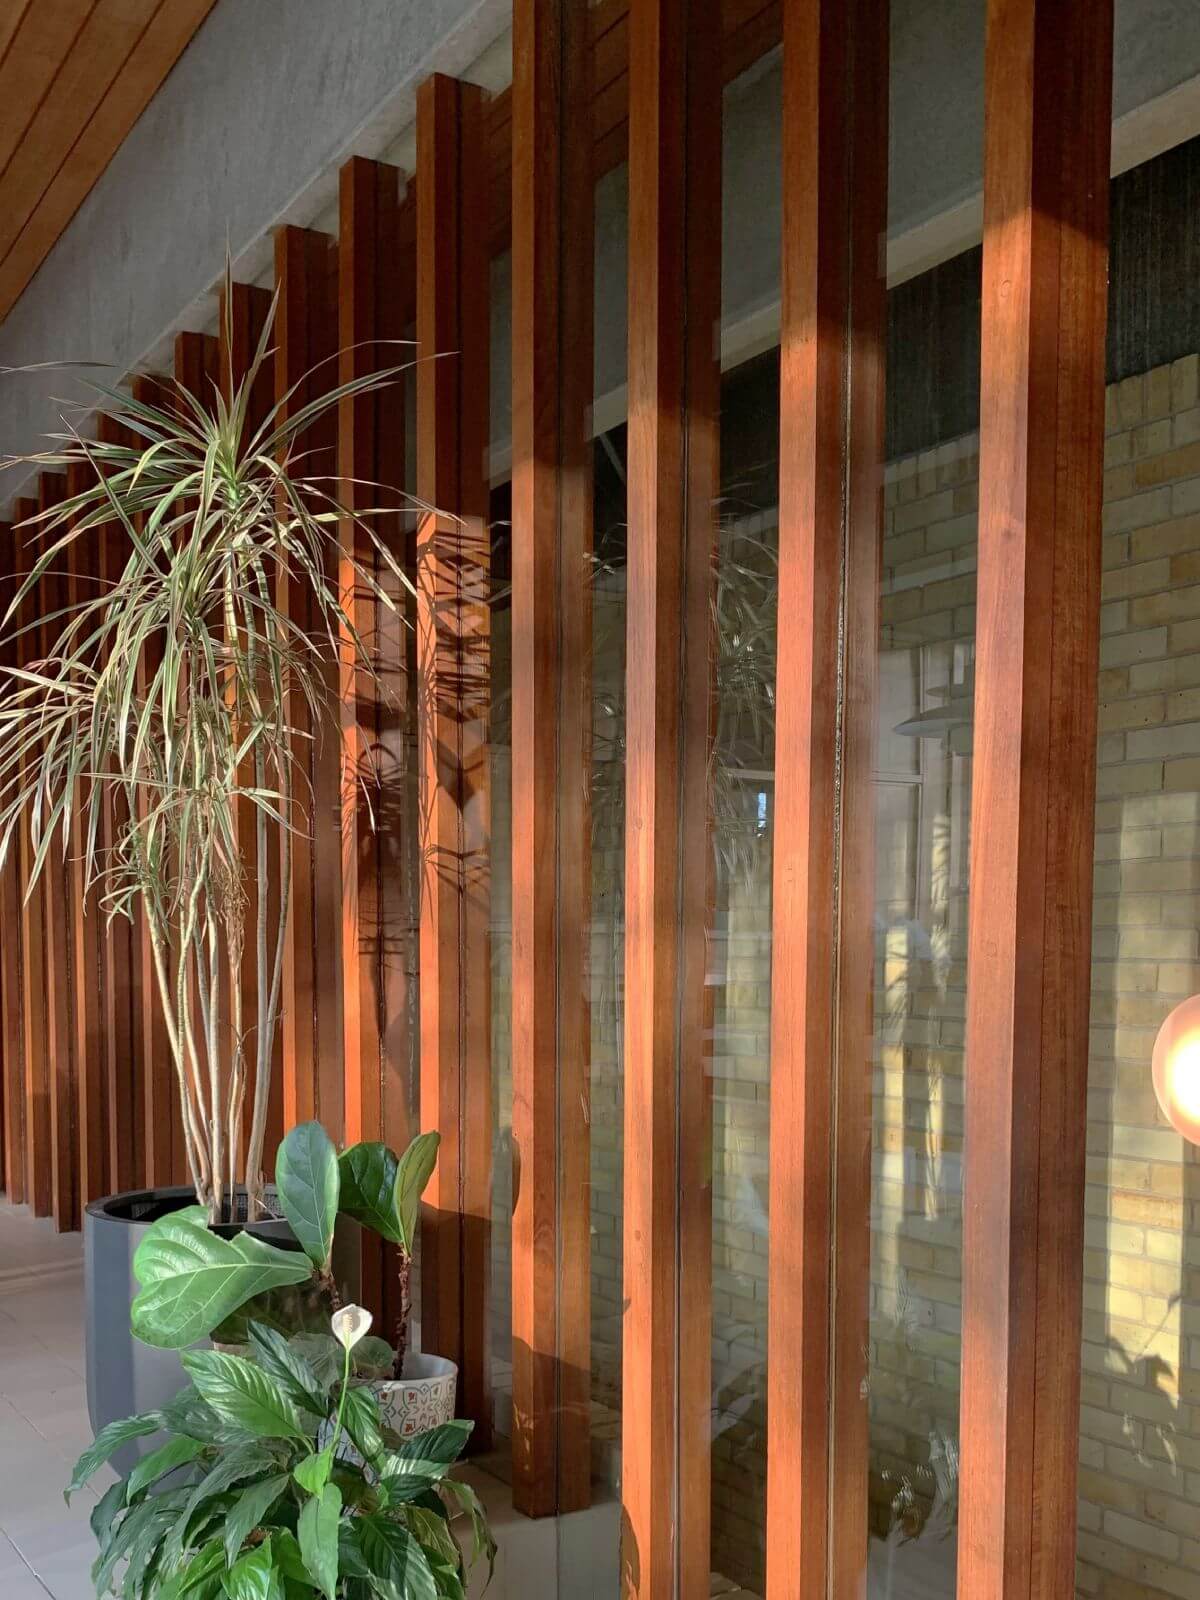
252 1497
194 1282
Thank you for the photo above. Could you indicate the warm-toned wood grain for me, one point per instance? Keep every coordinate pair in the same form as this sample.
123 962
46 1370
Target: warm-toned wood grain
123 1055
161 1112
75 78
311 1020
38 1189
453 672
86 918
82 77
243 317
372 684
552 209
10 909
674 309
835 57
369 454
1046 213
60 1041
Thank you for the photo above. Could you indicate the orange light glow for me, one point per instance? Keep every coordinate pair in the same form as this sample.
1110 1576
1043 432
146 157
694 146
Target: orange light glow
1176 1069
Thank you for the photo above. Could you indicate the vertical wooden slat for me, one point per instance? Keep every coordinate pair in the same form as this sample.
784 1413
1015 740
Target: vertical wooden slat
86 923
161 1112
453 668
311 1015
674 311
399 858
243 317
830 513
122 1039
1046 208
552 211
38 1189
371 468
60 1058
10 945
196 371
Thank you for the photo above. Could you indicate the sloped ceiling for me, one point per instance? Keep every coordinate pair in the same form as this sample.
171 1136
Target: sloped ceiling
75 75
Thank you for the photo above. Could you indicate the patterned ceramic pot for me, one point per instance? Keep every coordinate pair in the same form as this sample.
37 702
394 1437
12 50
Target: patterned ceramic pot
423 1398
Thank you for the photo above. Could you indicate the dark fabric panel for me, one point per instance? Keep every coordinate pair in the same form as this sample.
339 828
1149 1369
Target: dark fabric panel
933 355
1153 315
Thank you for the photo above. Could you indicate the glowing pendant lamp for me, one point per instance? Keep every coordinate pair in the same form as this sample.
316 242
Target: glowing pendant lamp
1176 1069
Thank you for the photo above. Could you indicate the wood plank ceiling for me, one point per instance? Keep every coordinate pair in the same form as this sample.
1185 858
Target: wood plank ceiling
75 75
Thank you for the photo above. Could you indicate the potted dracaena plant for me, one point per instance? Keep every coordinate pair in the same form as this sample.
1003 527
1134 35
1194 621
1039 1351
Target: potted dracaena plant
253 1495
195 1284
162 729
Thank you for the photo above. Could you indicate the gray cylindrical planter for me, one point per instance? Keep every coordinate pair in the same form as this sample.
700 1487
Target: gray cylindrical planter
125 1376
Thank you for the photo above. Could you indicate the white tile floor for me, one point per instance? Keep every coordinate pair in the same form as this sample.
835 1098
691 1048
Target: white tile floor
46 1548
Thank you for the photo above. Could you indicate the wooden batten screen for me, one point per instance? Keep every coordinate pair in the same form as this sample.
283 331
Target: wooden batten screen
311 1024
1045 254
673 474
88 1100
243 313
835 66
552 227
33 926
12 1039
374 307
453 687
161 1112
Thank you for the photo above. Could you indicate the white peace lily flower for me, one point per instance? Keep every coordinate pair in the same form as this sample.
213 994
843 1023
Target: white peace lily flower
350 1324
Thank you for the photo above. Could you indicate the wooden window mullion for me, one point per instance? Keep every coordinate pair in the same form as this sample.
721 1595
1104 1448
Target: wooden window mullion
552 212
835 70
10 946
310 1020
1045 254
87 915
673 456
453 672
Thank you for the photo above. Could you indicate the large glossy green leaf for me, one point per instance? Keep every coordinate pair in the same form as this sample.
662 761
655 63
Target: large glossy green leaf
317 1531
243 1394
482 1541
368 1173
312 1473
168 1457
362 1422
396 1560
254 1576
106 1443
307 1181
200 1579
240 1462
248 1511
192 1278
427 1455
413 1172
275 1355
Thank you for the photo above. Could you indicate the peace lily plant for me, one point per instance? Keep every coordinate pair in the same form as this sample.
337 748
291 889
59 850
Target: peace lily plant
179 705
278 1477
251 1497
